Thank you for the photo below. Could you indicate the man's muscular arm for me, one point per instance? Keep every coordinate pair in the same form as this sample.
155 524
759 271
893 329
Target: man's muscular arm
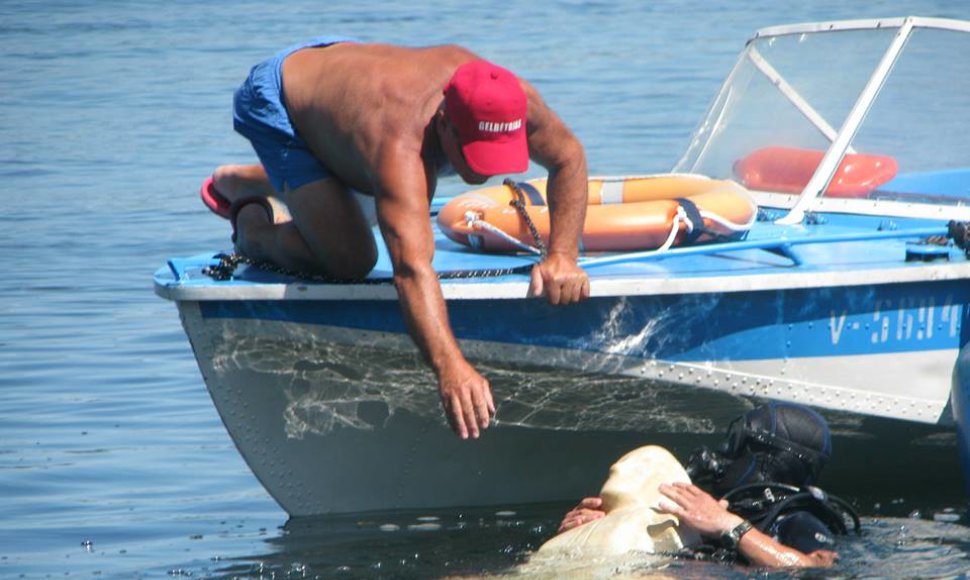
552 145
403 214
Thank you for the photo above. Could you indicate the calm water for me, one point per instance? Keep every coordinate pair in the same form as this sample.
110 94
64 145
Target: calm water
113 462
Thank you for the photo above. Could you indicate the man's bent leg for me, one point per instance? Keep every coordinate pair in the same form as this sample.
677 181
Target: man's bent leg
334 227
236 182
239 181
328 234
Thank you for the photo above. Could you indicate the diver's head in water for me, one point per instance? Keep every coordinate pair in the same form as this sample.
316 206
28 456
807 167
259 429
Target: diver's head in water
776 442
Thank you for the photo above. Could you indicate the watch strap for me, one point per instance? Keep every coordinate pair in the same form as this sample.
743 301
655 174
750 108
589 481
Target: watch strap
732 538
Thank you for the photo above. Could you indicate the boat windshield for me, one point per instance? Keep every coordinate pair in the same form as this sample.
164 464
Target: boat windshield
843 112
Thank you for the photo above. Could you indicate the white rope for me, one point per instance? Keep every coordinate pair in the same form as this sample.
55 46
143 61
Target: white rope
680 216
473 221
728 224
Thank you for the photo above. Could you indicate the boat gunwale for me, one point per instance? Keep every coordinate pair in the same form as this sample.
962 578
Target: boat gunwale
613 285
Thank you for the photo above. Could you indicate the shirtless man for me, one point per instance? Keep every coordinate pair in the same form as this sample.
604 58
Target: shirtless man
333 115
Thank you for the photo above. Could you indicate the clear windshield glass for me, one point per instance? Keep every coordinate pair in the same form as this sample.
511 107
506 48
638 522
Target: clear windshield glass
922 119
790 94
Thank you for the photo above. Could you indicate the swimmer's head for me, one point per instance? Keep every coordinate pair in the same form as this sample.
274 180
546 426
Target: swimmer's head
486 106
777 442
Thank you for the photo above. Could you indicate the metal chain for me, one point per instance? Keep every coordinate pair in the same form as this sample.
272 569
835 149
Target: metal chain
228 263
518 201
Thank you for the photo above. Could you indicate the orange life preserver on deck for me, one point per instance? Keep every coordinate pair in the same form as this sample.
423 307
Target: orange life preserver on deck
625 213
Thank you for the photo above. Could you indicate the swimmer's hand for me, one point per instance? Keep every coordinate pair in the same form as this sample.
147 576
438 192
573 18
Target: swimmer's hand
589 509
466 398
697 509
560 279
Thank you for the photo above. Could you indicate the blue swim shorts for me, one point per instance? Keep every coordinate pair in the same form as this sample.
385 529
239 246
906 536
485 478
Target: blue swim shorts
259 114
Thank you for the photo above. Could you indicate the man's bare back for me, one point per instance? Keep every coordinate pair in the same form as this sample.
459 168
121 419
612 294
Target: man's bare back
386 121
349 100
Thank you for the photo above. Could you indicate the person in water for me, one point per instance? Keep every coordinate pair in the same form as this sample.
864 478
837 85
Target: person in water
769 513
335 121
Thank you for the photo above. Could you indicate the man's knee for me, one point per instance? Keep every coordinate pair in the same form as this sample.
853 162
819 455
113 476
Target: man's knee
242 179
352 263
225 177
334 227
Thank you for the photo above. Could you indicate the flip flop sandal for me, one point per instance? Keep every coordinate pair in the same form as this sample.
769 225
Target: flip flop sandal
214 200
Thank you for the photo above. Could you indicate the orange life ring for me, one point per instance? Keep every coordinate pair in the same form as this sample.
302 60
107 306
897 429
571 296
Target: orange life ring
788 169
625 213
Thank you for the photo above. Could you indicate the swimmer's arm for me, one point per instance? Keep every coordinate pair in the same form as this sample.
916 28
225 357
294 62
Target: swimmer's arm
402 211
762 550
589 509
552 145
710 517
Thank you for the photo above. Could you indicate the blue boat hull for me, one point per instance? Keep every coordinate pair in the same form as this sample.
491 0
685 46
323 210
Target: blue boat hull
961 410
760 343
307 387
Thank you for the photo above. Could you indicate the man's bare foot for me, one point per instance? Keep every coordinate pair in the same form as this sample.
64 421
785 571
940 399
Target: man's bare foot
235 182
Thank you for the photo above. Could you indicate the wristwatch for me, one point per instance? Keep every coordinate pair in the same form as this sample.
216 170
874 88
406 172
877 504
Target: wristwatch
732 537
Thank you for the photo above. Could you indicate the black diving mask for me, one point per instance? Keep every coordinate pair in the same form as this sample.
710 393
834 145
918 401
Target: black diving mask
705 465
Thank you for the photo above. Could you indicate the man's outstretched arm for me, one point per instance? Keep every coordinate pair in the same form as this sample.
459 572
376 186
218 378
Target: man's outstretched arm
403 214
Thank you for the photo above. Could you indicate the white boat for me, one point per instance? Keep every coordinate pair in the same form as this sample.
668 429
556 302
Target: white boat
849 293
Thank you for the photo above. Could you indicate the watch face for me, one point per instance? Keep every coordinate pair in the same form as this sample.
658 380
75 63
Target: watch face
733 536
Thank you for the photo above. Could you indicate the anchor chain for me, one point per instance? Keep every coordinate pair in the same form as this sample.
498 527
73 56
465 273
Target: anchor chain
226 268
518 202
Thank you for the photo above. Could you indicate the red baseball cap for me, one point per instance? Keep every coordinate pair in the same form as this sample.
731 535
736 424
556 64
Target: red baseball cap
487 106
